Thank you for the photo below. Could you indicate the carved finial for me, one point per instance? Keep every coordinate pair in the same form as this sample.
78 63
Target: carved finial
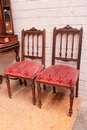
68 27
33 29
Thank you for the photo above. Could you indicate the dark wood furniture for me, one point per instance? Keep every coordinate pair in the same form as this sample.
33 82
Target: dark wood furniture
8 41
66 51
33 59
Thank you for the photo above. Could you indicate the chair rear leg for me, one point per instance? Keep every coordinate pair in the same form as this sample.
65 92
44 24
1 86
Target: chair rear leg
54 89
77 84
25 83
33 92
0 79
39 95
71 102
20 81
8 86
44 87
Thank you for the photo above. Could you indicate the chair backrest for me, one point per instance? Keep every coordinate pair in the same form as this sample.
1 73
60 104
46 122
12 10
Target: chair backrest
33 44
67 43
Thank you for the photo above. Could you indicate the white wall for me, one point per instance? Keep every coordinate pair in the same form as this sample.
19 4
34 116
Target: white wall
48 14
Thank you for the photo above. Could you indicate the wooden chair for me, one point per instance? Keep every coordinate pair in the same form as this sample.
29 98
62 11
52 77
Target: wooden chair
66 51
32 52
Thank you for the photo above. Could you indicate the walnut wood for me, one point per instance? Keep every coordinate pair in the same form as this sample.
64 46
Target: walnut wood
32 48
34 34
8 85
71 102
8 41
6 27
0 79
59 55
33 92
39 95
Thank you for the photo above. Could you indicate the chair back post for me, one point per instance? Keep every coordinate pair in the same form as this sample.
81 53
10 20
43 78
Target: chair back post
53 46
22 48
80 48
43 46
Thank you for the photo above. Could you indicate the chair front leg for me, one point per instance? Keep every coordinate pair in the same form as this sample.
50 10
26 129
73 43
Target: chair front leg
39 95
33 92
8 86
71 102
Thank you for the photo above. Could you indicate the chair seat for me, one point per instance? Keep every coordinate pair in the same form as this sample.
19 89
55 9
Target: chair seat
59 75
25 69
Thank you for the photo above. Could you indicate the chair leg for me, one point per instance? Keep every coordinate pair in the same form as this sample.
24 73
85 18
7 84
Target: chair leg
44 87
25 83
8 86
33 92
17 55
71 102
0 79
39 95
77 84
20 81
54 89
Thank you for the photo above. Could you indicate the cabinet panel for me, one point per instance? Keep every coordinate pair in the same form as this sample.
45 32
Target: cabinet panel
7 37
1 20
6 17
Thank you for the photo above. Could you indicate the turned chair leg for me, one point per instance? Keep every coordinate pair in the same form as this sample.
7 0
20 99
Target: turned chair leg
54 89
17 55
33 92
44 87
39 95
0 79
25 83
8 86
20 81
77 84
71 102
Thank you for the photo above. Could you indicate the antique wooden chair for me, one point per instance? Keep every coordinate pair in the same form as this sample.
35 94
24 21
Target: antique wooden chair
33 59
66 53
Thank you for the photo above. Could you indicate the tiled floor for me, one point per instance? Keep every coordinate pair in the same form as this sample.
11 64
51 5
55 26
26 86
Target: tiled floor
15 114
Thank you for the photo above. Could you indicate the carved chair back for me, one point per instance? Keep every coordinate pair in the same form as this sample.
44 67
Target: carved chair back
67 43
33 44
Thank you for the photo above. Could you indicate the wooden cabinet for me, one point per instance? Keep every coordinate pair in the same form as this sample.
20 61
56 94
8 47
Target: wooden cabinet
8 40
6 20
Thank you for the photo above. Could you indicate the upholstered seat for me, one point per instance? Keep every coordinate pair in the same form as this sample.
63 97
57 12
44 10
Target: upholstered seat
25 69
59 74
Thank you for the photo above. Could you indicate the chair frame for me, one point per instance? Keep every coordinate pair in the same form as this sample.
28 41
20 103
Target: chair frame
33 31
66 30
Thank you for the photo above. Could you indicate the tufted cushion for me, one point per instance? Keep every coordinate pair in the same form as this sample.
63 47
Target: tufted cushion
59 74
27 69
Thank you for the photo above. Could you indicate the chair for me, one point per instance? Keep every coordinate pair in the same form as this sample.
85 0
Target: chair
32 52
66 53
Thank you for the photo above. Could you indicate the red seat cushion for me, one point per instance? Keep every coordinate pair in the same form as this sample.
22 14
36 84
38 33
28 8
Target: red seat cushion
59 74
27 69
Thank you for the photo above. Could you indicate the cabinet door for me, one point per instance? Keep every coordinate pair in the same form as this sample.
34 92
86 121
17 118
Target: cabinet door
1 20
7 14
